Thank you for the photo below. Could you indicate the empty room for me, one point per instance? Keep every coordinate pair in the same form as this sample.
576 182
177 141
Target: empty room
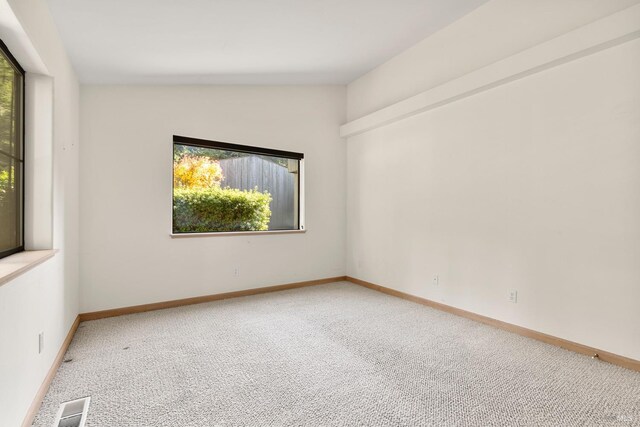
319 213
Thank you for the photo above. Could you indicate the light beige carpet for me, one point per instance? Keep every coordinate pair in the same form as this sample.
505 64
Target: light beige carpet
328 355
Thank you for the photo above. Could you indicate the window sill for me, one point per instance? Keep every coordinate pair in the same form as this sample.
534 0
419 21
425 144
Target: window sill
235 233
18 264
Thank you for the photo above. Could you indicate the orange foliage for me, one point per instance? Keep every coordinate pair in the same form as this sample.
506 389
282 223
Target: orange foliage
196 172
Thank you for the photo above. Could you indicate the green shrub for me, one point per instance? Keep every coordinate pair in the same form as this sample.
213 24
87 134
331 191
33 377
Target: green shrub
200 210
4 183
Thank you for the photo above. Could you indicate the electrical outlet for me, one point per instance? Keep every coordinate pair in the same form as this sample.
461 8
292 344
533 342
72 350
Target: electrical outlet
435 280
40 342
236 272
513 296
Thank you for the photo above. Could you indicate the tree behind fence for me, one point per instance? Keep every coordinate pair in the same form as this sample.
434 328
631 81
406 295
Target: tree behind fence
247 173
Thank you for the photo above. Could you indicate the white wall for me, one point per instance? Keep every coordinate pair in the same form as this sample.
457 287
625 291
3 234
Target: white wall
494 31
46 298
532 185
128 257
38 117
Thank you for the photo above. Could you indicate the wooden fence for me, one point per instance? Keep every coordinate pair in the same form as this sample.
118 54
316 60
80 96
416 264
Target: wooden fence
247 173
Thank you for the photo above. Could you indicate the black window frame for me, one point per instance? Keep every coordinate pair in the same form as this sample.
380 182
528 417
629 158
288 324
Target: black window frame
21 158
220 145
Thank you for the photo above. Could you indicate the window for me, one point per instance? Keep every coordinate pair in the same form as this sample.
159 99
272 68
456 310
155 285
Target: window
222 187
11 154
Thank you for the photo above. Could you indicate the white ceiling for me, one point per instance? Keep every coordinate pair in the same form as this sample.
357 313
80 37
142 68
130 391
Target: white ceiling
243 41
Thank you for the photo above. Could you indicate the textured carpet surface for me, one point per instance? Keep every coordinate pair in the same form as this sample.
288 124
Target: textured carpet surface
336 354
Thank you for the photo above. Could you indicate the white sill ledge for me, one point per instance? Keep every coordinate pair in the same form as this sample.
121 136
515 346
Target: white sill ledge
17 264
235 233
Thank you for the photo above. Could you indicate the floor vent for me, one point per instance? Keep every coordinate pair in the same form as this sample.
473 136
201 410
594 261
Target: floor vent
73 413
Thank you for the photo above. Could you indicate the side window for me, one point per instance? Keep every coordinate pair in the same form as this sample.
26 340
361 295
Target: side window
11 154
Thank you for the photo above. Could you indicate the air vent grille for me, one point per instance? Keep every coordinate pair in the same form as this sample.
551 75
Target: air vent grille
73 413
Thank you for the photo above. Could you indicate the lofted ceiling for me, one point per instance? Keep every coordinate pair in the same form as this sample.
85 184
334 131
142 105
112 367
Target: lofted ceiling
243 41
